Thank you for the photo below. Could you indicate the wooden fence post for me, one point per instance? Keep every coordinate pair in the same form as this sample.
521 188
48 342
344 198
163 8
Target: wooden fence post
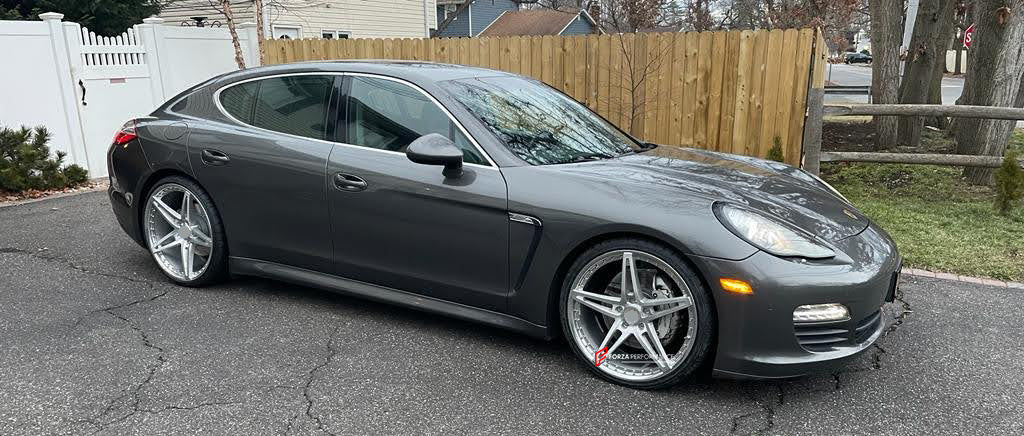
815 107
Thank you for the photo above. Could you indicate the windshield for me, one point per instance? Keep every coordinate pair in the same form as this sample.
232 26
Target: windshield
538 124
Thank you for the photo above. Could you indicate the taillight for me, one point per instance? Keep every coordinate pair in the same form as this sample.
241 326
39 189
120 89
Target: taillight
126 134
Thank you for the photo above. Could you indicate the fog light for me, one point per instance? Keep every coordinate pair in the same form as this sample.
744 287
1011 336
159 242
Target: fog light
821 313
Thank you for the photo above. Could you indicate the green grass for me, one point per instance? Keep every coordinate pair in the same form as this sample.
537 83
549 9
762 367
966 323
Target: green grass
939 222
1017 141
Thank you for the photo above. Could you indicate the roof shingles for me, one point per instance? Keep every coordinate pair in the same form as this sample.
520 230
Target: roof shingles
530 22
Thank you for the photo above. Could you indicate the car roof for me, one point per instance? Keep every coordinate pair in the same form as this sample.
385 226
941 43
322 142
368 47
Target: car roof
414 71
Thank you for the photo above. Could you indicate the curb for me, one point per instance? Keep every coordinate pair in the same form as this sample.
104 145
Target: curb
965 279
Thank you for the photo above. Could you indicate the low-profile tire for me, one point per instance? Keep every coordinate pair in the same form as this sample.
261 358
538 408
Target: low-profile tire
671 305
180 221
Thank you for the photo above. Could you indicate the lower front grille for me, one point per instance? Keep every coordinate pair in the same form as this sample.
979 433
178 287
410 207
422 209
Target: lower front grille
822 337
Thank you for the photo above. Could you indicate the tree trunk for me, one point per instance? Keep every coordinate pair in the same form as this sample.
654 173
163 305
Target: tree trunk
258 10
935 88
958 45
1020 93
994 76
927 47
886 26
935 97
229 17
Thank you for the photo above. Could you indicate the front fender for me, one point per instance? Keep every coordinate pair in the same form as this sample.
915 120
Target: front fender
575 212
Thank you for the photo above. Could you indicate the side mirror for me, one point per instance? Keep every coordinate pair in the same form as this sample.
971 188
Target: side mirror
436 149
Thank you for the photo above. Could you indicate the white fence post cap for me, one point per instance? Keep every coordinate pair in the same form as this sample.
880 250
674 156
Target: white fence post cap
50 16
153 20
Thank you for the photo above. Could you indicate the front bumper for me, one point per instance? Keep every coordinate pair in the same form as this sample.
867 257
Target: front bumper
757 337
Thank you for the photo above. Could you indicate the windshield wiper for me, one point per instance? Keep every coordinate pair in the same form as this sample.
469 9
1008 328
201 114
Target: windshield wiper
644 146
587 157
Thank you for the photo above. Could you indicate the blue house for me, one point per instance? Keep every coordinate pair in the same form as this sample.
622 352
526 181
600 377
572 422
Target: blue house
465 18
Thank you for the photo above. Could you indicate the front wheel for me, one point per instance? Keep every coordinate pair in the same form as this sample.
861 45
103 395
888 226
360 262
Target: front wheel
637 314
184 233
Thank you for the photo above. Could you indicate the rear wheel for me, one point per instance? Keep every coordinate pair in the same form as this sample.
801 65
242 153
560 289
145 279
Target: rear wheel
637 314
183 232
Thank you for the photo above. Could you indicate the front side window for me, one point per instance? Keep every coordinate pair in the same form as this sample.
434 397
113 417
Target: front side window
296 105
538 124
389 115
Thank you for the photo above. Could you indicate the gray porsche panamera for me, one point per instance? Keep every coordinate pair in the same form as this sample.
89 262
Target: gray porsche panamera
491 197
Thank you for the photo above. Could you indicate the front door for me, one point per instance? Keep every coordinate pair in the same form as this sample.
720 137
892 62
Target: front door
404 225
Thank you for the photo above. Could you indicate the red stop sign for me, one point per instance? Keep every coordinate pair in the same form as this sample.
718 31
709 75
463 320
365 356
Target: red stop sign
968 35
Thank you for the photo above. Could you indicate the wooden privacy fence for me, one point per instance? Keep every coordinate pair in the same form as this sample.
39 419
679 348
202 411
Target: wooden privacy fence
728 91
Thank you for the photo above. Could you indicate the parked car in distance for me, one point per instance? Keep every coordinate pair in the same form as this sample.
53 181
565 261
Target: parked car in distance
858 58
492 197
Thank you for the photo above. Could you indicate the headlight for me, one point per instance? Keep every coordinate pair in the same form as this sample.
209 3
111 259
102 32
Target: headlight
769 235
827 186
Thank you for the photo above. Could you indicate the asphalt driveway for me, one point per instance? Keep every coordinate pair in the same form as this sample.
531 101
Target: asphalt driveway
93 339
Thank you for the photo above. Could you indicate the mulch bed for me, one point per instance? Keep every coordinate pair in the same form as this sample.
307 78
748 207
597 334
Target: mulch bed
847 136
860 136
17 197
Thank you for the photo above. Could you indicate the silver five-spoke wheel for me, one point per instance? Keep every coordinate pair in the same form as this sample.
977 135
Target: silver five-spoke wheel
178 231
633 313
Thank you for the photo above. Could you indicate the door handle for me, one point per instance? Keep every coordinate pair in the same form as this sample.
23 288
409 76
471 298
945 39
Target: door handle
81 84
214 157
348 182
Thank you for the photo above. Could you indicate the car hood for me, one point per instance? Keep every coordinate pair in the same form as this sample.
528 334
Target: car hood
775 189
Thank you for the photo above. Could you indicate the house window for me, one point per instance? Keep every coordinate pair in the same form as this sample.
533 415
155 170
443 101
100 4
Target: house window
335 34
286 32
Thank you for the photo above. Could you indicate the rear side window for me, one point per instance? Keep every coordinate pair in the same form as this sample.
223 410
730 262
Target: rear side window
296 105
239 100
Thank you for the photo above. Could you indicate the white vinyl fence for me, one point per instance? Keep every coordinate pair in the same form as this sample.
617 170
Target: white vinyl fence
82 86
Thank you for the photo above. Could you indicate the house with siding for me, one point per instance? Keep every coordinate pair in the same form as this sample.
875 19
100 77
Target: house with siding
329 19
467 18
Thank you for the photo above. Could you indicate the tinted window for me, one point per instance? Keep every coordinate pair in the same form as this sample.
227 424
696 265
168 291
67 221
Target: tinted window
540 125
388 115
294 104
239 100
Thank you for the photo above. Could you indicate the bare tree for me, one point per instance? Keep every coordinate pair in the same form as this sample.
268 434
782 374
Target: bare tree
562 5
229 18
743 14
963 19
699 15
927 48
257 6
640 65
619 15
994 76
886 27
630 15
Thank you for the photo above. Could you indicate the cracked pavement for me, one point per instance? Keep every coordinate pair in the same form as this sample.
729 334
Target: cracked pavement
93 340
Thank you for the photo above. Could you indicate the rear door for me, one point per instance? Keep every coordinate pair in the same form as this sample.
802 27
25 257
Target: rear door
404 225
264 166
